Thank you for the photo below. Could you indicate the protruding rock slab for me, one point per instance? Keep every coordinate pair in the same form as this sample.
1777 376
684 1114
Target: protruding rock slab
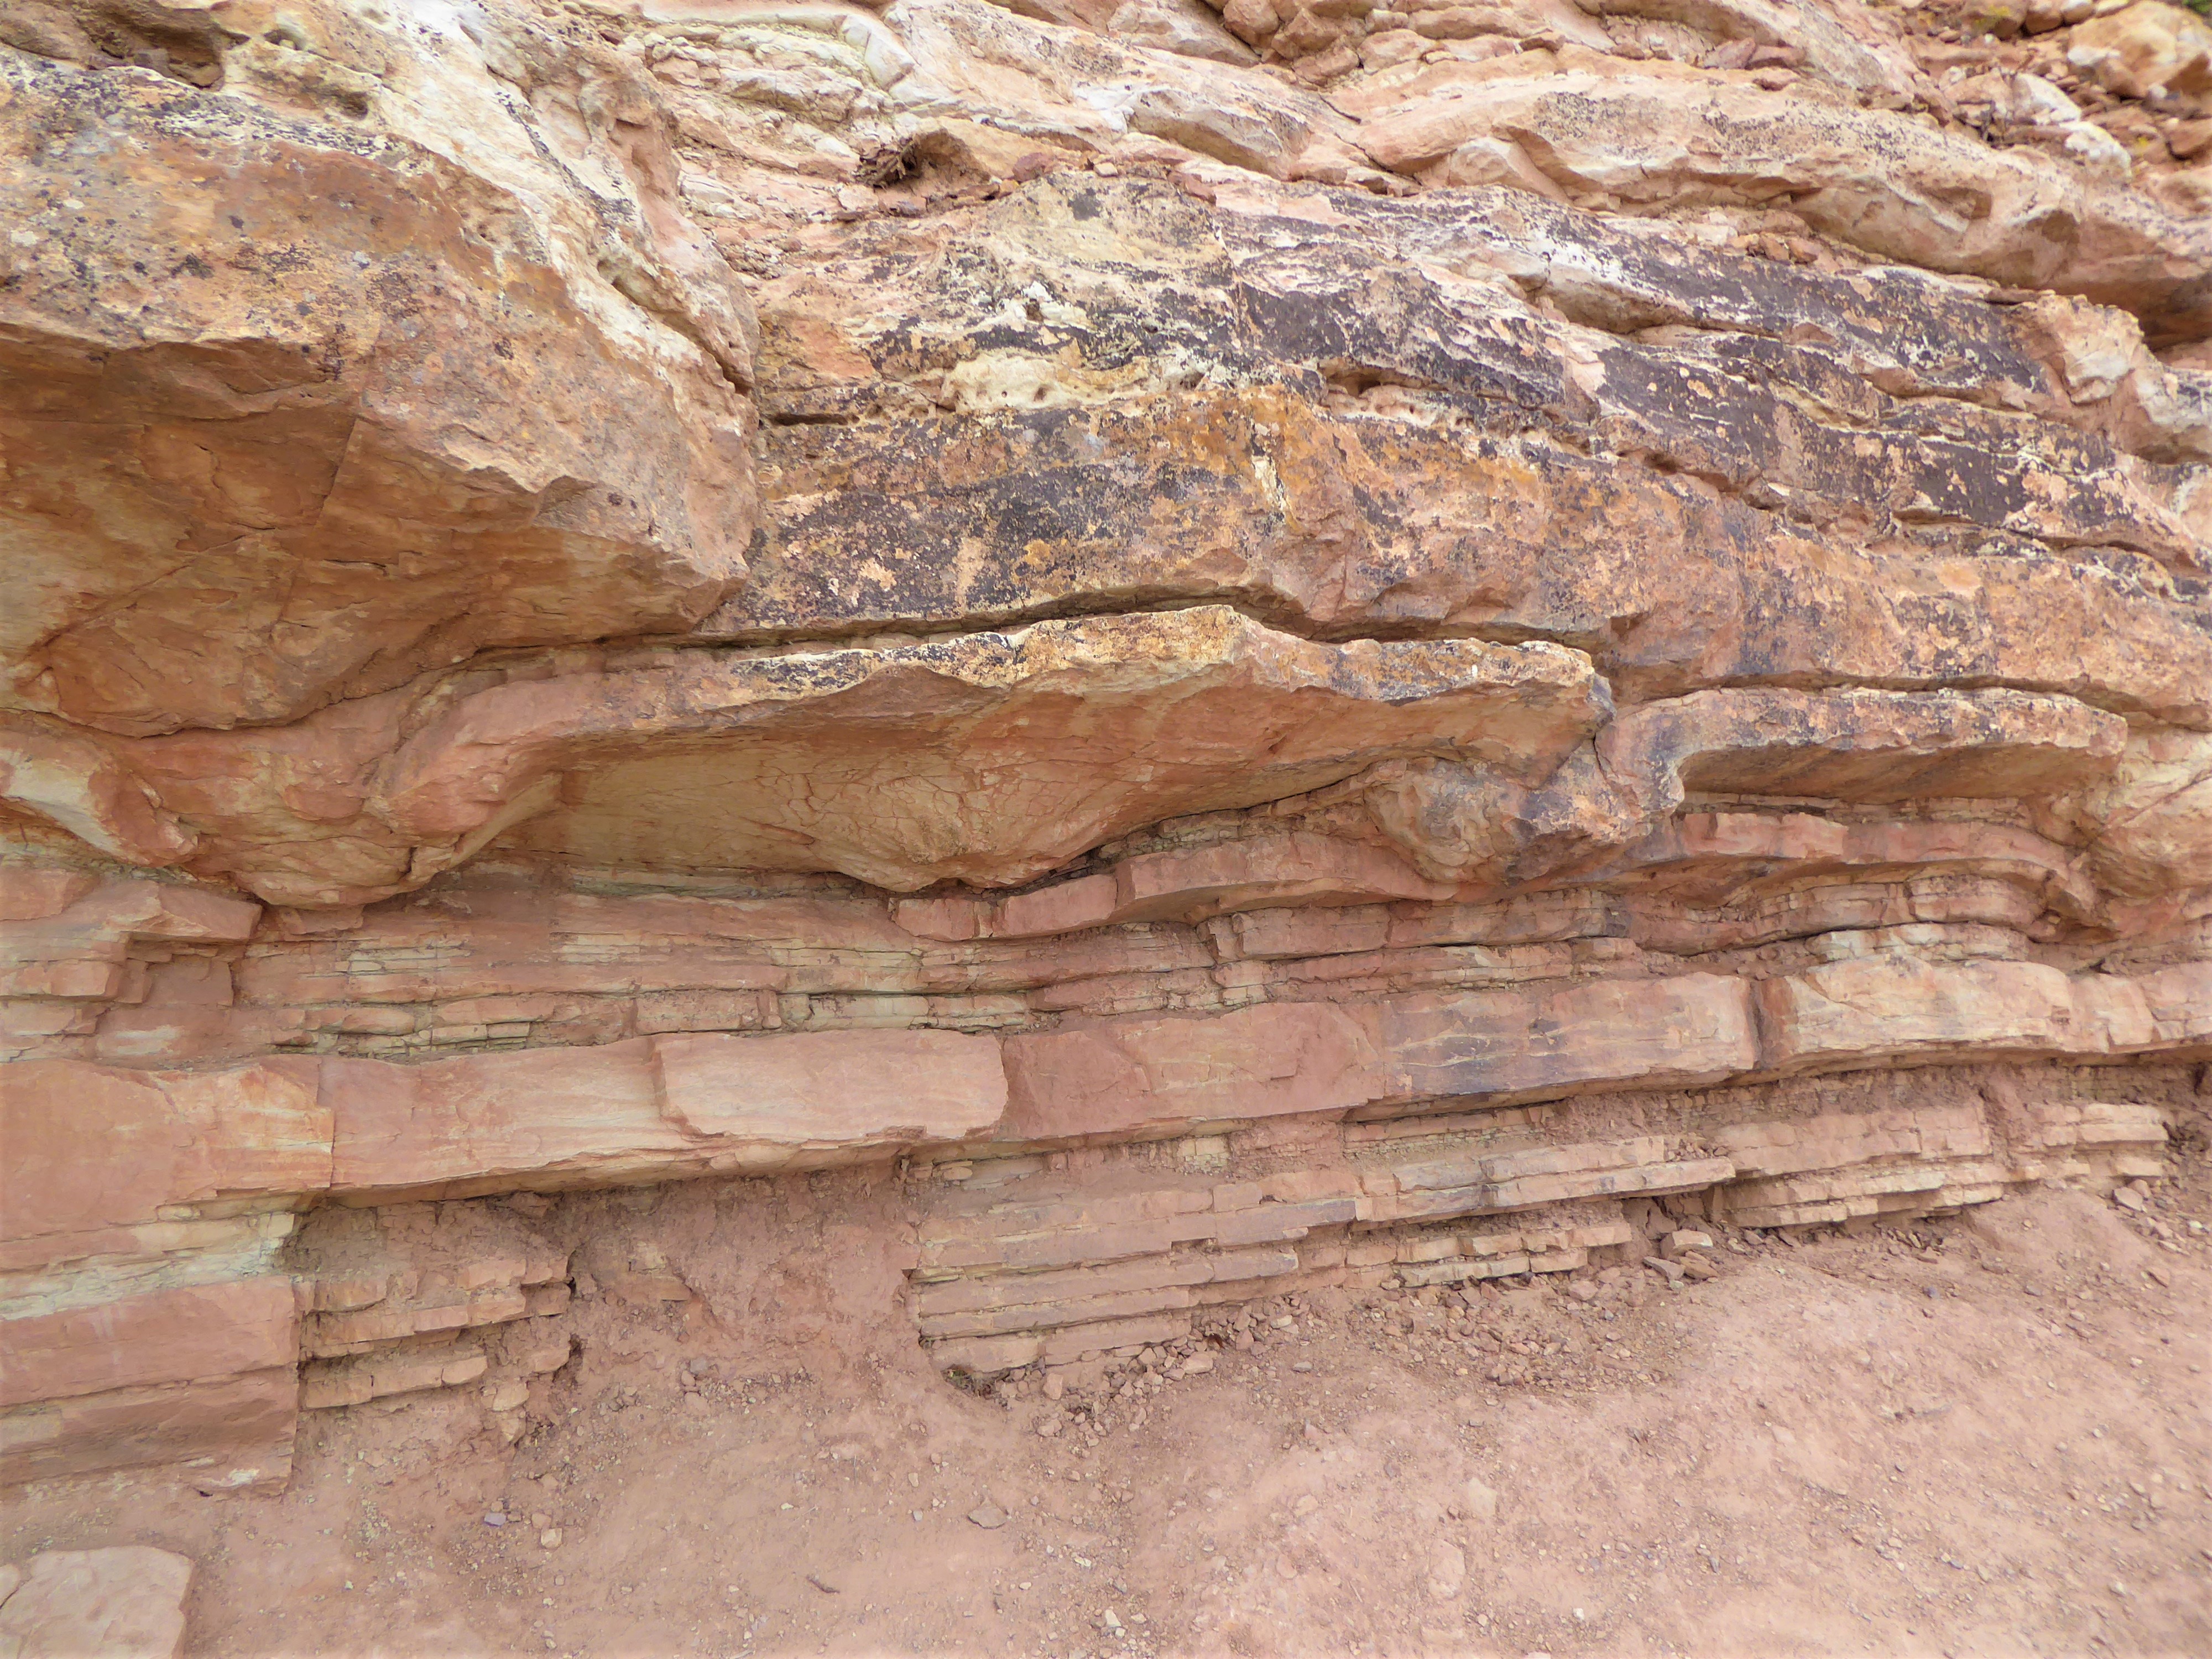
1862 745
502 1120
184 1334
1880 180
227 1434
1113 1077
125 1603
1895 1009
650 1109
1473 823
96 1154
1542 1043
991 759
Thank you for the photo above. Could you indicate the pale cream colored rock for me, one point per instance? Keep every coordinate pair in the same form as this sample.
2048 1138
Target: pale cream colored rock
1185 27
2152 823
1446 1569
1880 181
1892 1009
2144 45
972 58
777 1096
2097 353
75 784
1843 41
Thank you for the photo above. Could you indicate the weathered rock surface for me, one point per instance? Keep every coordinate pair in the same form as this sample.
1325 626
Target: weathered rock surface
118 1603
367 348
1272 645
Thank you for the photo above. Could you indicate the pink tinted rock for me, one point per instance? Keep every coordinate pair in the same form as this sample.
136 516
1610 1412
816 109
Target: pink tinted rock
189 1333
1538 1043
1100 1076
232 1433
255 1133
122 1603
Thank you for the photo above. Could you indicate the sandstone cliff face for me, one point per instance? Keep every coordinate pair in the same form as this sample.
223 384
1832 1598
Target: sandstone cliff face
1288 644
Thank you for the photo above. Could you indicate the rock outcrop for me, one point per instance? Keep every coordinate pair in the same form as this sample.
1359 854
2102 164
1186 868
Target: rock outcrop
1272 645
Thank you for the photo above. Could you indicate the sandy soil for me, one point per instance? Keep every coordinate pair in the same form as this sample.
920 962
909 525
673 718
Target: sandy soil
1990 1435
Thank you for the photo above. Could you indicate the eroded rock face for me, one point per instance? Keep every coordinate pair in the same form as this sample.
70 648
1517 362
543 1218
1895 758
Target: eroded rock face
382 345
1272 645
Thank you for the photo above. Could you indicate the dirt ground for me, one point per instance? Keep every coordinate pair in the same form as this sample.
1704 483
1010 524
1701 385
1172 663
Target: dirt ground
1989 1435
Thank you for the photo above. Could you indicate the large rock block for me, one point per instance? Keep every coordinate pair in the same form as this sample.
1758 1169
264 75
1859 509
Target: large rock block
413 366
1541 1043
1894 1010
191 1334
770 1101
986 757
1114 1076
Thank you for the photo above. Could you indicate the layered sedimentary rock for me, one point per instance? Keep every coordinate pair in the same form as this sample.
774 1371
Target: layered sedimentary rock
1288 645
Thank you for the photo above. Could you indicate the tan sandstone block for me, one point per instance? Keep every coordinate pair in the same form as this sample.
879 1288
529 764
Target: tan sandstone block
1194 883
491 1121
125 1603
2180 1002
1894 1008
